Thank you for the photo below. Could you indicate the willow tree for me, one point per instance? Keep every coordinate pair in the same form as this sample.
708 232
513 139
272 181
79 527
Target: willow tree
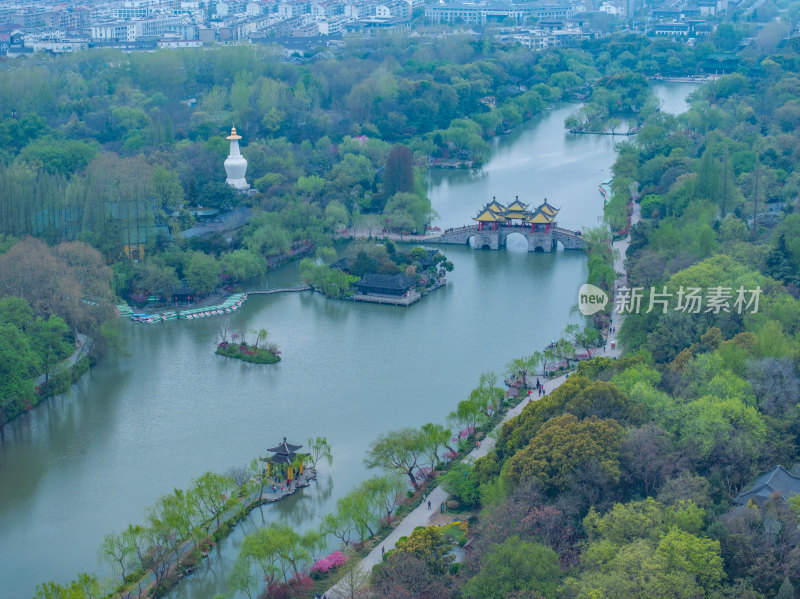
518 368
319 449
399 450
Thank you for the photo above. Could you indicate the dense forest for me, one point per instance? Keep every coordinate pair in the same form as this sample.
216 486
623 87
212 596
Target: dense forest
120 153
620 483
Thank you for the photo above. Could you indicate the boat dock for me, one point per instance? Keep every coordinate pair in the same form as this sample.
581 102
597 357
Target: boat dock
231 304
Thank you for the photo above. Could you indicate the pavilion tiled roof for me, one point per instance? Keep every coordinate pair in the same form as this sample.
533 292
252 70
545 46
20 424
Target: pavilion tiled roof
396 282
777 481
539 218
517 206
285 453
548 209
284 447
495 206
487 215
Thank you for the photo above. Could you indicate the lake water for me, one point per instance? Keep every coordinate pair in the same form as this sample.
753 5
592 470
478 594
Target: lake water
139 425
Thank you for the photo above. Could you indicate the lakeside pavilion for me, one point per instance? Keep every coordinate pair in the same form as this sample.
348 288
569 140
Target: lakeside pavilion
284 459
517 214
377 284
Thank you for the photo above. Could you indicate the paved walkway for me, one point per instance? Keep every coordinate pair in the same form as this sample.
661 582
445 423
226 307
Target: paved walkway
622 281
84 343
422 516
377 233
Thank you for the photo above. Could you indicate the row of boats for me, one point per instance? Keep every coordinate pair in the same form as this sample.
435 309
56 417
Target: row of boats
231 304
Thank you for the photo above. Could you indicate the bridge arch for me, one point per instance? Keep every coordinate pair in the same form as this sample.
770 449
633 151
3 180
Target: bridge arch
516 242
478 242
538 249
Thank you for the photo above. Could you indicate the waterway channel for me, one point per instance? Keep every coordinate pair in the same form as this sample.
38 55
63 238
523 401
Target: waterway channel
139 425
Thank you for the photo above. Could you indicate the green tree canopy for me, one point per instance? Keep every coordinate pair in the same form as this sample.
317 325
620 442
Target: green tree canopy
515 566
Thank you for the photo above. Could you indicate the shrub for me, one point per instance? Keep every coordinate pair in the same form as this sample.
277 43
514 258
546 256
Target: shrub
334 560
461 484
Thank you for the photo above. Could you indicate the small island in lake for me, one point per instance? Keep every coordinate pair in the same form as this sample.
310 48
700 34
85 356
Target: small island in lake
376 272
259 353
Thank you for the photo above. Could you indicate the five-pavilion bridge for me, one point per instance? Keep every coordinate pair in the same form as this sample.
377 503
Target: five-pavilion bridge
495 223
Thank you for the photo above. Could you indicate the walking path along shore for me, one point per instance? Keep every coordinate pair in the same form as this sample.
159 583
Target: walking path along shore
422 516
612 344
84 344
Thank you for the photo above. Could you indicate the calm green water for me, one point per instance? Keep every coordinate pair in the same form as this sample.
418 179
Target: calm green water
140 425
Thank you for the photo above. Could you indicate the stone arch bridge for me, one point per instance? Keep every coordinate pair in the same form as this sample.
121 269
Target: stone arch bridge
539 240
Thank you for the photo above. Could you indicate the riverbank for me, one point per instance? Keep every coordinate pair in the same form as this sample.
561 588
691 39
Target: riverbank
218 296
64 374
342 353
421 515
182 562
612 349
612 133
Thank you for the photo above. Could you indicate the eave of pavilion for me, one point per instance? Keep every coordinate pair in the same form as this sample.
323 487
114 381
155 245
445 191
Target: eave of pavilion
517 206
548 209
539 218
496 207
489 216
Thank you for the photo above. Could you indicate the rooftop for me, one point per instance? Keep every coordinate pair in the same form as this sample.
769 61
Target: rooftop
396 282
779 480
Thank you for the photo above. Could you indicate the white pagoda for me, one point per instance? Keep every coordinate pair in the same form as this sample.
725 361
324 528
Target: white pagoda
235 164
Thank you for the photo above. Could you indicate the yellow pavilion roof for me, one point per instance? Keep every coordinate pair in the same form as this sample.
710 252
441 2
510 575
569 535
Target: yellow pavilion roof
548 209
516 214
539 218
517 206
489 216
495 206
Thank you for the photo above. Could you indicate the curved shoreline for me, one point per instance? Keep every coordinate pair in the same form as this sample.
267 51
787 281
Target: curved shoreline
183 565
421 516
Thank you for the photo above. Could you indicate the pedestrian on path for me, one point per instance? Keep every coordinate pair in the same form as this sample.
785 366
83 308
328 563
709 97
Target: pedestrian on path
429 504
441 508
383 550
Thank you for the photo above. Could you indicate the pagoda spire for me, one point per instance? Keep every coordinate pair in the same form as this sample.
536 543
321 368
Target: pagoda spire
235 164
